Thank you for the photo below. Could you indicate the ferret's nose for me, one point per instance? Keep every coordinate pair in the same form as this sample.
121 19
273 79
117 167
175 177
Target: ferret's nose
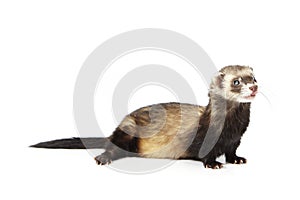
253 88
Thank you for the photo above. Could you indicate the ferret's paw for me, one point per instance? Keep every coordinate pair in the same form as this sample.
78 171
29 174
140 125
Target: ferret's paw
213 165
103 159
237 160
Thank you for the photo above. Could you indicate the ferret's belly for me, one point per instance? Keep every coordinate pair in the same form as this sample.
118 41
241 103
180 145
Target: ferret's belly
163 130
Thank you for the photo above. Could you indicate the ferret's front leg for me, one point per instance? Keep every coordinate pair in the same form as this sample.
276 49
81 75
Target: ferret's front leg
231 156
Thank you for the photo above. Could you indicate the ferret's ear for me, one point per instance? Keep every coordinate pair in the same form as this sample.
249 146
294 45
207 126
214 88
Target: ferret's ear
221 74
250 68
218 79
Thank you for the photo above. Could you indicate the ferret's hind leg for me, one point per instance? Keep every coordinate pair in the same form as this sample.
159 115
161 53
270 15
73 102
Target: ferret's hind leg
121 145
110 155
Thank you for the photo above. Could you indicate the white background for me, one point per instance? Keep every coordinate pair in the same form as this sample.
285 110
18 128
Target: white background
43 45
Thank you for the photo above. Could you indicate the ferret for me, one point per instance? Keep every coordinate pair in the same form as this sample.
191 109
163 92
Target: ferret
181 130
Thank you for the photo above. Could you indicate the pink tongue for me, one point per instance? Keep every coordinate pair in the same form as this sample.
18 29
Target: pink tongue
253 94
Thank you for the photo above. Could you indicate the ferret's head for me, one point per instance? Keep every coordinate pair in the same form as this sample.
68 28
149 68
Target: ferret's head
235 83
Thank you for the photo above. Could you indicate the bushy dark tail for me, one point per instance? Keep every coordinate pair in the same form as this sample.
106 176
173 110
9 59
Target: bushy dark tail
73 143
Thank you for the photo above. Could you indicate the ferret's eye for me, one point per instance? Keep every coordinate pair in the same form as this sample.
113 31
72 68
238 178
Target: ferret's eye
254 79
236 82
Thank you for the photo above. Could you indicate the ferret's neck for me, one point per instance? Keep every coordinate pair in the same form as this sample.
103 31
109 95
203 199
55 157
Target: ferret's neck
218 106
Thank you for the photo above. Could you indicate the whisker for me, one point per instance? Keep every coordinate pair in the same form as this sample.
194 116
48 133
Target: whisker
266 97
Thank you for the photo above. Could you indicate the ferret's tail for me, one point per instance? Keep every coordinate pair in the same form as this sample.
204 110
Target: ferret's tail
74 143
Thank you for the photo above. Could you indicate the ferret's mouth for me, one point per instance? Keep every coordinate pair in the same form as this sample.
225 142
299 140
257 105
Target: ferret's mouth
251 96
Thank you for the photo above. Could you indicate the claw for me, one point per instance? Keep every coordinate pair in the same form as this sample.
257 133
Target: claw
214 165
